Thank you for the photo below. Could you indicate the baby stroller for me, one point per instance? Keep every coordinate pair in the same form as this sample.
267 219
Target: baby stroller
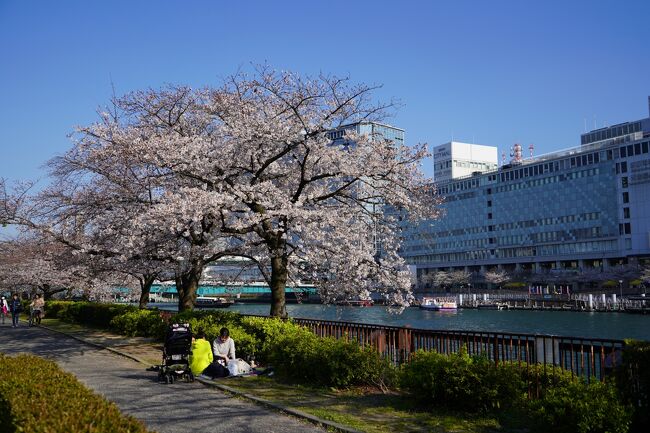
176 354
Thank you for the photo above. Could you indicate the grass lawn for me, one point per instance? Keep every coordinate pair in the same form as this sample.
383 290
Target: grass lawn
365 410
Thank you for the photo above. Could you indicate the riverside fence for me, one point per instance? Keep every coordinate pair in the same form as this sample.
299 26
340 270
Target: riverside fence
586 357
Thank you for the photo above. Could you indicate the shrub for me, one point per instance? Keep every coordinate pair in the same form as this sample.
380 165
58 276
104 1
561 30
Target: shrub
93 314
52 308
302 356
36 396
459 381
577 407
633 381
140 323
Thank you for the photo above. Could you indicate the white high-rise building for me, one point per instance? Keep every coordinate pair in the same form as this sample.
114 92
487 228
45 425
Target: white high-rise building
455 159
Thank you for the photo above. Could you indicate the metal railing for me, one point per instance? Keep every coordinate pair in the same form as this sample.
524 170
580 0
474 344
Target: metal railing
588 358
585 357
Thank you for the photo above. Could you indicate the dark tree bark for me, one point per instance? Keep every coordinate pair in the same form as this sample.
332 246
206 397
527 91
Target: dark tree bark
187 285
279 276
145 289
48 291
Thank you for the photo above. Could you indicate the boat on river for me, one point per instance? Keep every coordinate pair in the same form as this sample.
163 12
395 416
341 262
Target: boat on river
433 304
209 302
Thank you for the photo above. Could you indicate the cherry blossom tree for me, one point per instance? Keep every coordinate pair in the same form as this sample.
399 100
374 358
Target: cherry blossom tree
185 177
497 277
263 160
39 264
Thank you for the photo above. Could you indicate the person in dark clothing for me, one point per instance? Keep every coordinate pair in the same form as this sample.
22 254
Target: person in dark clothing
15 307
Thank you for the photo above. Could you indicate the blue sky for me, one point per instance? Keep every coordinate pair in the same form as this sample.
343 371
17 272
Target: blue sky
491 72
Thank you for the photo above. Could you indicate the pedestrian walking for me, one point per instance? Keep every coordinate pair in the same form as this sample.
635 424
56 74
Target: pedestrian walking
36 310
15 307
4 309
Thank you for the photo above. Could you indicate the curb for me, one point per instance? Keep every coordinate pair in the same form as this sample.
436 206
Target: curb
260 401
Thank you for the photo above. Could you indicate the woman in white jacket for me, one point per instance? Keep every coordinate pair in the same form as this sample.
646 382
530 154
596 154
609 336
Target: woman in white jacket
4 309
223 347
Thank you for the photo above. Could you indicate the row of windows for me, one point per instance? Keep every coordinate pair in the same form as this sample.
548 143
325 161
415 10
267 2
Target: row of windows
633 149
539 222
611 132
539 251
547 180
550 167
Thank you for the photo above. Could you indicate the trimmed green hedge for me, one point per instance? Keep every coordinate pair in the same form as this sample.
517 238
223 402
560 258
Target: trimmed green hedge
88 313
36 396
633 380
566 403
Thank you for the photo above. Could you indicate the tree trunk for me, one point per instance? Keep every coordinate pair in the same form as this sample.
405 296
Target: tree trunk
145 289
279 276
48 291
186 285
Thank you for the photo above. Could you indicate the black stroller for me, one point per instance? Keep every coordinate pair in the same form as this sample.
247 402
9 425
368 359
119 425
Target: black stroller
176 354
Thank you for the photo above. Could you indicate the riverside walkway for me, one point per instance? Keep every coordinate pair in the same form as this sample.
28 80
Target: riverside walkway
177 408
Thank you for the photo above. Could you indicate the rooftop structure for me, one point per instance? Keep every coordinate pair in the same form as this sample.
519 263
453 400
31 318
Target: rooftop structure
455 159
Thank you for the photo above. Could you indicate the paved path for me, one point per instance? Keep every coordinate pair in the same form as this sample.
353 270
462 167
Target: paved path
178 408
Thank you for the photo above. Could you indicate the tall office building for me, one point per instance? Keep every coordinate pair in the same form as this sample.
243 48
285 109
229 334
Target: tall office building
374 130
585 207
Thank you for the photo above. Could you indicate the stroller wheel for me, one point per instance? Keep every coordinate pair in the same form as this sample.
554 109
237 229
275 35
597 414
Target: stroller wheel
190 377
168 379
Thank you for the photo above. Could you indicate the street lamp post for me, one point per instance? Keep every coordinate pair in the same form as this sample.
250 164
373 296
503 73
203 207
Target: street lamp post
620 290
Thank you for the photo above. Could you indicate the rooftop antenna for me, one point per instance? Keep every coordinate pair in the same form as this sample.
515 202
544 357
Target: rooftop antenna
531 148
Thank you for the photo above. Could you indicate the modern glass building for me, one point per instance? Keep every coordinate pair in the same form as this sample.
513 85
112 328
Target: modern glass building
371 129
580 208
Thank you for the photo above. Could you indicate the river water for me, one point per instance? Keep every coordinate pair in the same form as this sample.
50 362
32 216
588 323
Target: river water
564 323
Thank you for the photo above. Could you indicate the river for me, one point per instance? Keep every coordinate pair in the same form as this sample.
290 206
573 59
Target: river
564 323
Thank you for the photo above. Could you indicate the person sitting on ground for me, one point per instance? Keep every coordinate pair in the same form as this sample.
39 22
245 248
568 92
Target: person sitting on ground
223 347
201 360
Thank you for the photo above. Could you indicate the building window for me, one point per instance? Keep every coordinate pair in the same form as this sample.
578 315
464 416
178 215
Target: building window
490 216
626 197
624 182
628 228
489 203
626 212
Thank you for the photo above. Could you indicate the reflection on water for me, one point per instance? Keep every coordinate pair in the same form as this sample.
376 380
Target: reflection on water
568 323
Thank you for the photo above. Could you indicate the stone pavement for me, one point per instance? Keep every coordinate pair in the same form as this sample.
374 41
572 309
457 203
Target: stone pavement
181 407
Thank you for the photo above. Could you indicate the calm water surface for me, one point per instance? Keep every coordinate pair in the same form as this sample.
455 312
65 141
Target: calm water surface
567 323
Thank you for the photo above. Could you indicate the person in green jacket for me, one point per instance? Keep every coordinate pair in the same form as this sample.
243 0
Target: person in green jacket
201 360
